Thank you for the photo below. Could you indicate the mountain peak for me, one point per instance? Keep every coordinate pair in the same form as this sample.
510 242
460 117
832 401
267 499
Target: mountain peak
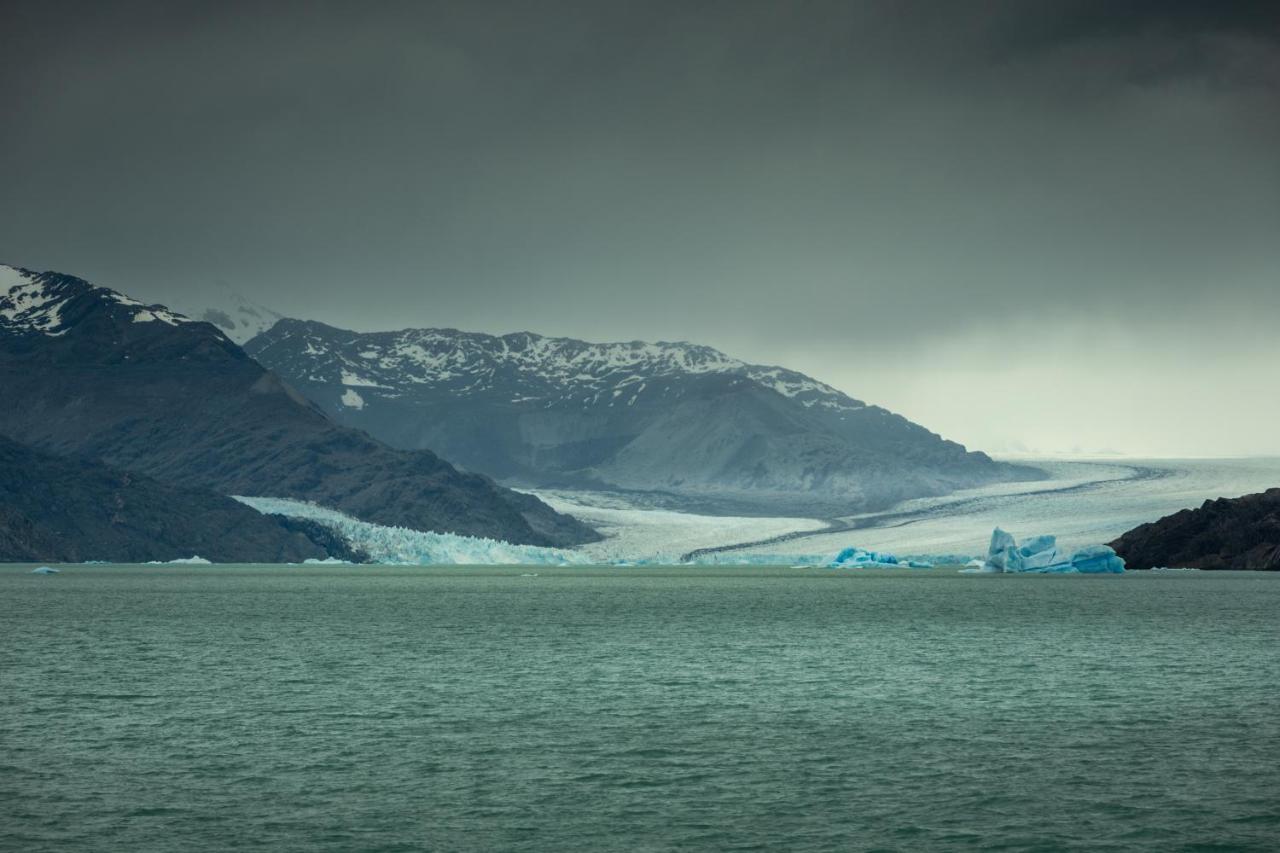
678 420
38 302
148 390
549 368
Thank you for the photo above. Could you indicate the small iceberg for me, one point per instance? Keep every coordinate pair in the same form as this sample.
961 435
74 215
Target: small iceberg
182 561
44 570
1041 555
861 558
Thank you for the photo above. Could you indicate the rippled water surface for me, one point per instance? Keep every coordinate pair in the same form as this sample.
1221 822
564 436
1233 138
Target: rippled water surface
348 708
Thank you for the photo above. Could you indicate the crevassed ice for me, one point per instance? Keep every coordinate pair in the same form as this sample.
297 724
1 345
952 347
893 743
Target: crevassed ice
402 546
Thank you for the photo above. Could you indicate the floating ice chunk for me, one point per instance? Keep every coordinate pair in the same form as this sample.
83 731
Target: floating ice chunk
44 570
861 558
998 552
182 561
1097 559
1040 554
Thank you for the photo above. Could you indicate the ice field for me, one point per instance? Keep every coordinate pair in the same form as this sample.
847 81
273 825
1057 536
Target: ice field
1084 503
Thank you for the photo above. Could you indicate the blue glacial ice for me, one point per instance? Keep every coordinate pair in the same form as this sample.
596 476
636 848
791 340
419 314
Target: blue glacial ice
44 570
860 558
1041 555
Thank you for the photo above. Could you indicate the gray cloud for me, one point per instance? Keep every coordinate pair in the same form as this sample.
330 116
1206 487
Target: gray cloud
861 189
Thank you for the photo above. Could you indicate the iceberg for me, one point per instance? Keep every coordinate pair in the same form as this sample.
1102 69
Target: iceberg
861 558
1041 555
1097 559
44 570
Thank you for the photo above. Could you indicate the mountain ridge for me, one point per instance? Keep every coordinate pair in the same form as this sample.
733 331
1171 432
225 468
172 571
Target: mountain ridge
667 417
146 389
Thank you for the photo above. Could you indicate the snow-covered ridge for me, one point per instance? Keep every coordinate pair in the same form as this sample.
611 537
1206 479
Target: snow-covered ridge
545 368
33 302
236 315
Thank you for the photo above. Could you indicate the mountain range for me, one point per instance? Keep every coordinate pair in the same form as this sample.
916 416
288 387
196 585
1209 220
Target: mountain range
679 422
171 416
91 373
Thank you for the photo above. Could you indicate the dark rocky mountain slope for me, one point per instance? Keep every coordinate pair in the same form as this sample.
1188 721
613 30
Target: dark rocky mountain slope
1228 533
672 419
54 509
89 372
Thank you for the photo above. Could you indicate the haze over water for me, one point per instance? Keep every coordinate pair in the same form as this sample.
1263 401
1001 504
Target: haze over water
368 708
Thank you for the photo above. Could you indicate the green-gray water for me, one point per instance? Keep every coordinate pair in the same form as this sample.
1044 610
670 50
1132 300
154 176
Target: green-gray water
348 708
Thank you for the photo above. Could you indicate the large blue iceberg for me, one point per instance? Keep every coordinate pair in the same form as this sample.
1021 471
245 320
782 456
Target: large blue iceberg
1041 555
860 558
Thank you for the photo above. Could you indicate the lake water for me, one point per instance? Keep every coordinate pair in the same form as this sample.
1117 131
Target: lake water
366 708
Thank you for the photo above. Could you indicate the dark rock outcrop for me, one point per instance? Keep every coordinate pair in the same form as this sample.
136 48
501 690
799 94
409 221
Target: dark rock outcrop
88 372
1228 533
54 509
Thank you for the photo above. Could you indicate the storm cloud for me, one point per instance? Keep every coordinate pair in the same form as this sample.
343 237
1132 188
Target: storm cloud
1041 225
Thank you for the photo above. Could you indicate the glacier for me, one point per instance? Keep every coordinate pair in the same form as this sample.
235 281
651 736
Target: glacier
1041 555
406 547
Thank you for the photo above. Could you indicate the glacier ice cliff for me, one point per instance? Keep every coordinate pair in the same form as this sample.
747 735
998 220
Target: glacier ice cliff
402 546
1041 555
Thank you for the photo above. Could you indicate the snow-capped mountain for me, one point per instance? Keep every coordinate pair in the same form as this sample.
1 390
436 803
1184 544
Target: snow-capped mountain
675 419
90 372
34 302
236 315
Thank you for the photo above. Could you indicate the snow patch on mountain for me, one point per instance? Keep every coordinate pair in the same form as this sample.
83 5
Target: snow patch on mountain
33 302
26 304
544 368
237 316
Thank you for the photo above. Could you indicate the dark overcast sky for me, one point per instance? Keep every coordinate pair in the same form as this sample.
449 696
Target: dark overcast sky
1001 218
